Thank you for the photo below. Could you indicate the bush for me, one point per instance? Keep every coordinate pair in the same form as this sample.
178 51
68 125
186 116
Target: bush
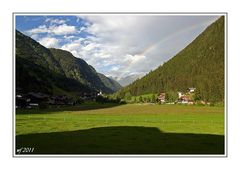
43 105
171 96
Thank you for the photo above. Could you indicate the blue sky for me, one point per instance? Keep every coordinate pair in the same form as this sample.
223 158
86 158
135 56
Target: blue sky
116 45
28 23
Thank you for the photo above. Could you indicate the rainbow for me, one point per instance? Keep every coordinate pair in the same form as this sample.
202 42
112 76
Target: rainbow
154 45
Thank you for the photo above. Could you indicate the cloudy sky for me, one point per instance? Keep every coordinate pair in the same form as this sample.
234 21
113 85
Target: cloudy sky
116 45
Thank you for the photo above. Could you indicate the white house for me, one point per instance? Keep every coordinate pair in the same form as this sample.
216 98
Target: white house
100 93
180 94
161 98
191 89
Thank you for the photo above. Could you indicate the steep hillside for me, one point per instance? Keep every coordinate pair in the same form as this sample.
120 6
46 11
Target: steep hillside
78 69
34 52
200 65
110 83
31 77
53 71
38 71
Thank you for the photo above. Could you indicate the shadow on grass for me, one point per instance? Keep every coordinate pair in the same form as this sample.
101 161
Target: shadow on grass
120 140
82 107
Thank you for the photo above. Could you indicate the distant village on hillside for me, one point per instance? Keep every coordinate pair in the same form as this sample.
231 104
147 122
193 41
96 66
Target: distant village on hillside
183 98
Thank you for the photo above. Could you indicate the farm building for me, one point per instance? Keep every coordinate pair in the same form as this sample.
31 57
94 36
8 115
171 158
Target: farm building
161 98
184 99
191 90
180 94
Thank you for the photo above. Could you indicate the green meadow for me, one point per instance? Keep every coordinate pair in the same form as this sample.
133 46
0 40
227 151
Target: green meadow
122 129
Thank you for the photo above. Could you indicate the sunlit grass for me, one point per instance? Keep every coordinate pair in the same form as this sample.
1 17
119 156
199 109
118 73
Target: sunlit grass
167 118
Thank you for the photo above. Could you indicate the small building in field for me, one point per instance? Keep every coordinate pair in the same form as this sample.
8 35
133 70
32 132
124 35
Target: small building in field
34 97
185 100
161 98
99 93
191 89
180 94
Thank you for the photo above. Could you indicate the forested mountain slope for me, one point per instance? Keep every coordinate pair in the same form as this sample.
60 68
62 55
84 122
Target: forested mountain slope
54 71
199 65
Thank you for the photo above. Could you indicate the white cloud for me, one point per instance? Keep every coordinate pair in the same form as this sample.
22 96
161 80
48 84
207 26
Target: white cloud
135 59
71 46
90 46
69 37
49 42
55 21
63 29
53 29
40 29
114 68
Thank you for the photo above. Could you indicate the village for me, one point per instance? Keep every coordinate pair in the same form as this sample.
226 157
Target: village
183 98
41 100
186 98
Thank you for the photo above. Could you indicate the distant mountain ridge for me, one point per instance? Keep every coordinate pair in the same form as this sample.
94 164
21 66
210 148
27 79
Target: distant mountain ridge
55 71
199 65
124 81
109 82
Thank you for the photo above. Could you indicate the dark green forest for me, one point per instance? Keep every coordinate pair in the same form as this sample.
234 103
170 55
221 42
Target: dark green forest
199 65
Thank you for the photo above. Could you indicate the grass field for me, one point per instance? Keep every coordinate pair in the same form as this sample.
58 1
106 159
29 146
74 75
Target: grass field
122 129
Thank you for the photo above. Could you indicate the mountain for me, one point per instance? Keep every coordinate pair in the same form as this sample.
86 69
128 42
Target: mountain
38 71
54 71
109 82
199 65
124 81
78 69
